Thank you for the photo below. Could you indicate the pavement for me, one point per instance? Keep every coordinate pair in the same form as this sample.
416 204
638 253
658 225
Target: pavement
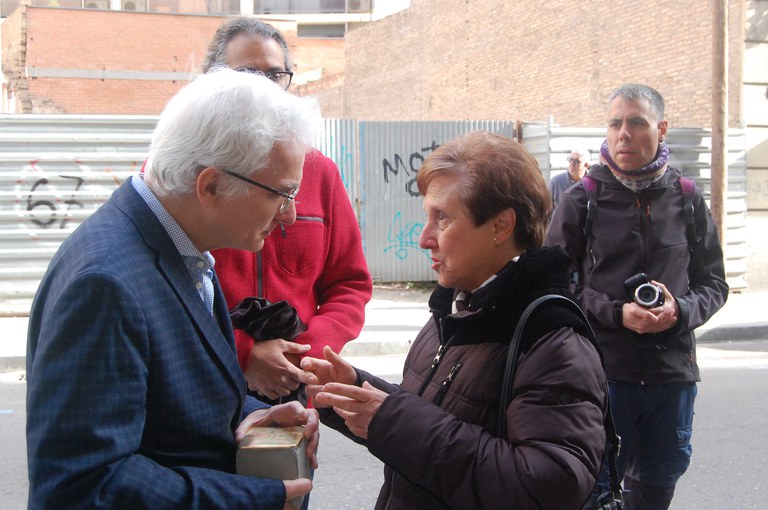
396 314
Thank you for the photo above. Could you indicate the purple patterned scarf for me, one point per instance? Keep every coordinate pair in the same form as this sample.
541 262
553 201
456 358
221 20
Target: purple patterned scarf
641 178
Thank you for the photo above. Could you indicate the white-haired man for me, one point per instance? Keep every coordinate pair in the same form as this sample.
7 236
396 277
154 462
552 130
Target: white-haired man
578 164
135 397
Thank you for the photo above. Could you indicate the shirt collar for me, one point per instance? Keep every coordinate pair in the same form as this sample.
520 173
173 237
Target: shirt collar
180 239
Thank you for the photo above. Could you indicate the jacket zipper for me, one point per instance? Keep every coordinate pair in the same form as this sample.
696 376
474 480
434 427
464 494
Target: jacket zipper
444 388
446 383
644 215
436 360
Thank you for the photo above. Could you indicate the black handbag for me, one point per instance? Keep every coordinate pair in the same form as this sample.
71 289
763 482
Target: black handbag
610 500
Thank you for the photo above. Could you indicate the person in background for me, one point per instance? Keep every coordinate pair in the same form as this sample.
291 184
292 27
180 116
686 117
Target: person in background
639 235
487 209
578 164
316 264
135 398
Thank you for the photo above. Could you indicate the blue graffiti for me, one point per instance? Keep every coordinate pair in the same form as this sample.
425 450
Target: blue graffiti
345 162
404 237
346 165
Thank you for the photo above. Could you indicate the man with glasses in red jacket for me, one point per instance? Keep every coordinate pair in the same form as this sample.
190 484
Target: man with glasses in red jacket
316 264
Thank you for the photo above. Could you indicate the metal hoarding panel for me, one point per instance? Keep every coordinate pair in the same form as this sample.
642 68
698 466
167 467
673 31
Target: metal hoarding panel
338 141
55 171
392 218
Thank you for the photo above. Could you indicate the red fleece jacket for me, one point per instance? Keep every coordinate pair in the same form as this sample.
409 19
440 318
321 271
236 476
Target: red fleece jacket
317 265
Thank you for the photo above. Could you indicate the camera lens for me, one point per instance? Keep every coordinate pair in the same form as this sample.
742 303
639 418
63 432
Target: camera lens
649 296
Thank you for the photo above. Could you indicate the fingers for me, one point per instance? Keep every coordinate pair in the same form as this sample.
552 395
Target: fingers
345 373
294 348
280 388
343 396
256 418
355 405
334 358
290 413
295 489
312 433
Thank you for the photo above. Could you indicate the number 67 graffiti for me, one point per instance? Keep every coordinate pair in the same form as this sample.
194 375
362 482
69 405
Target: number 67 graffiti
33 204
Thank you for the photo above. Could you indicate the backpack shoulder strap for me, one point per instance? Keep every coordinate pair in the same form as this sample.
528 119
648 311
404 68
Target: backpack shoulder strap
688 187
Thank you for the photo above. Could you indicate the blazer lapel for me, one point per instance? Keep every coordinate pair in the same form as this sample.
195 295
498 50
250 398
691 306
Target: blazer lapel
171 265
221 309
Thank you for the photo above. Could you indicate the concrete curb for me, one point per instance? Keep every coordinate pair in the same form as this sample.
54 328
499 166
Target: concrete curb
394 318
733 332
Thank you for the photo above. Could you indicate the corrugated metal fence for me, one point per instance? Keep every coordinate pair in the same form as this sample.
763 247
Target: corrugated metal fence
55 170
392 218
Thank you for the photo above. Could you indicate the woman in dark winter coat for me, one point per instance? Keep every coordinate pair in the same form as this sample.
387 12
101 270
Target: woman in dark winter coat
438 433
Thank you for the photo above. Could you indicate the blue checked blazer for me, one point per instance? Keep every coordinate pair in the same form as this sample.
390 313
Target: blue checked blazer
133 388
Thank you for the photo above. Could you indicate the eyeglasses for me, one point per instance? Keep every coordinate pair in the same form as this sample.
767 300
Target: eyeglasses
287 197
574 160
282 78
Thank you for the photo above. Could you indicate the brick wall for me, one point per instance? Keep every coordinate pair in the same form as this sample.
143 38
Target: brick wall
526 60
438 60
67 44
114 62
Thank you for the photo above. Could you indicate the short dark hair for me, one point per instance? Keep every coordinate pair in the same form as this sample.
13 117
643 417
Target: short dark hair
635 91
498 173
239 25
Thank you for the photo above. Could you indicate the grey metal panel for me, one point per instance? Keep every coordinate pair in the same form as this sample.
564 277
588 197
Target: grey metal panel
391 155
55 171
338 141
52 123
690 152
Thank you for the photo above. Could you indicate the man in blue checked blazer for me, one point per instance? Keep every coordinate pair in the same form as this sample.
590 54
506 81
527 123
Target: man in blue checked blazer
135 398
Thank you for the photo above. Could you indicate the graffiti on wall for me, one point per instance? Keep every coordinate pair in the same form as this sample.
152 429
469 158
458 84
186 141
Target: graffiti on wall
49 198
402 234
344 161
415 160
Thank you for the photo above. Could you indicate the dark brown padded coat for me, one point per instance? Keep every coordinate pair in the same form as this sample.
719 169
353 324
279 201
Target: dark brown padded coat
436 431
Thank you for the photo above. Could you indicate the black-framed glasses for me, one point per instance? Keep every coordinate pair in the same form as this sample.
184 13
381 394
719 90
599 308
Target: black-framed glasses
282 78
287 197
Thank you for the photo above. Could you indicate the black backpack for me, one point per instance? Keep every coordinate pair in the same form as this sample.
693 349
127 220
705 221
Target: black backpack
688 190
687 187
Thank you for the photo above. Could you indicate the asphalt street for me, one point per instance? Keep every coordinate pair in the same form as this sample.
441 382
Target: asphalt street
729 441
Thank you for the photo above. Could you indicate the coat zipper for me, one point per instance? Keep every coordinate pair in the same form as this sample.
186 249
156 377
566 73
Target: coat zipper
436 360
444 388
446 383
391 490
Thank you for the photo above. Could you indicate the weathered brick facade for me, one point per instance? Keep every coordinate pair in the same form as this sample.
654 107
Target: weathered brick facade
438 60
527 60
118 62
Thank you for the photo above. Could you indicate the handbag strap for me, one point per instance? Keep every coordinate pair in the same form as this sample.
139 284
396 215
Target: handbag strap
614 441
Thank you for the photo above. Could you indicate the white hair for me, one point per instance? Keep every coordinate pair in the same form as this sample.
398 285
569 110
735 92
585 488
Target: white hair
227 120
583 152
